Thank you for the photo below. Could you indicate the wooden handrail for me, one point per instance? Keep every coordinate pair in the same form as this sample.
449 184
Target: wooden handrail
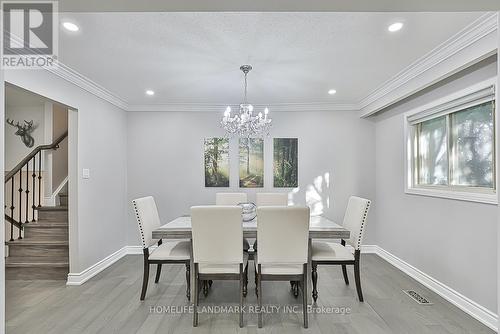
30 156
13 222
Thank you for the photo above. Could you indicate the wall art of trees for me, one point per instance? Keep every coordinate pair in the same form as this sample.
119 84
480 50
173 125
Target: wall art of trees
216 162
285 159
251 162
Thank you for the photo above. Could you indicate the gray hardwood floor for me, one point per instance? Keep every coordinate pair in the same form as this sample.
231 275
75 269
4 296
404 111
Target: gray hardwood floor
109 303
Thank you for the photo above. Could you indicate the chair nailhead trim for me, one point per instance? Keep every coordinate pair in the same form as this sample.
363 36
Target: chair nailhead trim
363 221
137 216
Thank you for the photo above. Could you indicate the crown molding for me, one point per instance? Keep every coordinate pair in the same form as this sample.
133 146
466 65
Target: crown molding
67 73
477 30
211 107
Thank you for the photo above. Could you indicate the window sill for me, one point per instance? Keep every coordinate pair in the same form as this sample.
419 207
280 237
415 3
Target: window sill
487 197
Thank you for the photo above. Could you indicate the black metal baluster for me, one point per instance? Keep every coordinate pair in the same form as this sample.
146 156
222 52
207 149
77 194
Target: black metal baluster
33 206
12 207
20 201
27 192
39 179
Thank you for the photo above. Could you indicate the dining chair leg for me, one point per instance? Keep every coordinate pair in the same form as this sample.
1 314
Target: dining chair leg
357 275
314 278
195 297
296 289
242 283
205 288
188 281
344 272
256 274
245 278
259 297
158 272
145 277
304 297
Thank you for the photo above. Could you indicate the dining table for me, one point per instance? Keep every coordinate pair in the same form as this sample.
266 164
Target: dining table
320 227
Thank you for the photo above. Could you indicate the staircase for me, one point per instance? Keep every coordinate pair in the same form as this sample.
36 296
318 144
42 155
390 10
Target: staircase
43 253
41 249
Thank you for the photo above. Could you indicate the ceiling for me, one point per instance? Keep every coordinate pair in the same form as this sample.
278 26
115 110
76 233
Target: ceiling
297 57
275 5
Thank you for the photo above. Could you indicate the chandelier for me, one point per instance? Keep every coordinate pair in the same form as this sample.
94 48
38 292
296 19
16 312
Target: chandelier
245 123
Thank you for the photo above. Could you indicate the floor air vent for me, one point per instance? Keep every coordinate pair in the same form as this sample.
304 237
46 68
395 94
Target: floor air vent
417 297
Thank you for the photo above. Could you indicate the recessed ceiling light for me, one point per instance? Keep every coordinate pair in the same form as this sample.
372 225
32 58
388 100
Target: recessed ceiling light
70 26
150 92
332 91
395 26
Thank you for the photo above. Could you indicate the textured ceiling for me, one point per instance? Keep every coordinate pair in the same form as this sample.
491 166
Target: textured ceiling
297 57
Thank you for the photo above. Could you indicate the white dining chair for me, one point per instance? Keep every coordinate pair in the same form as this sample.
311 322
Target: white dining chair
272 199
232 199
223 260
168 252
277 228
330 253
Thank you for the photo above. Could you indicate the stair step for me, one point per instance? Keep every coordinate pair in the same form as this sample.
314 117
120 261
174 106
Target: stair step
46 224
52 208
53 213
46 231
38 248
34 269
28 242
17 262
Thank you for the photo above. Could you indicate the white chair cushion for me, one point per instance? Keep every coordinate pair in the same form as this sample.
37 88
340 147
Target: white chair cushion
171 250
282 269
214 268
279 268
330 251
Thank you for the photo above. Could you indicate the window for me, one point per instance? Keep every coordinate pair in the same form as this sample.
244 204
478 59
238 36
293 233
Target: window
452 148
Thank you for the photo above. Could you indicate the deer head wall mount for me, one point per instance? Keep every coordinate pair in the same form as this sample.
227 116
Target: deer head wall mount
24 131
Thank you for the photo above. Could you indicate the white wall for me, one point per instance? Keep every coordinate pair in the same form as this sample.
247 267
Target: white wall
15 150
453 241
165 159
102 141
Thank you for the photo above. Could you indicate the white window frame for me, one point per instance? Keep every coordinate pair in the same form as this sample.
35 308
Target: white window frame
471 96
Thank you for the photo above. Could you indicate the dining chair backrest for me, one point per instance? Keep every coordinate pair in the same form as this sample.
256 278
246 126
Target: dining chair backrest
230 198
283 234
272 199
217 234
355 219
148 219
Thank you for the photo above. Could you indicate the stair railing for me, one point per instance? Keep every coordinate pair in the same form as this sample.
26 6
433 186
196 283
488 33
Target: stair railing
36 194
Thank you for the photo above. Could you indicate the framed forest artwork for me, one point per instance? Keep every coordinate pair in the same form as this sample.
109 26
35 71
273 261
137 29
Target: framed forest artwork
251 156
285 162
216 162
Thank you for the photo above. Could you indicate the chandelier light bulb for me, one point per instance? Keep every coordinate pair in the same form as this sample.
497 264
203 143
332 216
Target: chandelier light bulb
260 115
250 107
227 112
266 111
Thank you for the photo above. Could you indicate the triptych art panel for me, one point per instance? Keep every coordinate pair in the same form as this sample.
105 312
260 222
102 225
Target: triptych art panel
251 162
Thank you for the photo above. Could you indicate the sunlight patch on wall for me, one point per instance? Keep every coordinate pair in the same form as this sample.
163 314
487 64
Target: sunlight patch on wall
317 194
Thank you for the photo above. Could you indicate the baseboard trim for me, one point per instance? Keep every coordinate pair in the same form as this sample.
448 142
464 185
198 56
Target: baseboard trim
467 305
84 276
